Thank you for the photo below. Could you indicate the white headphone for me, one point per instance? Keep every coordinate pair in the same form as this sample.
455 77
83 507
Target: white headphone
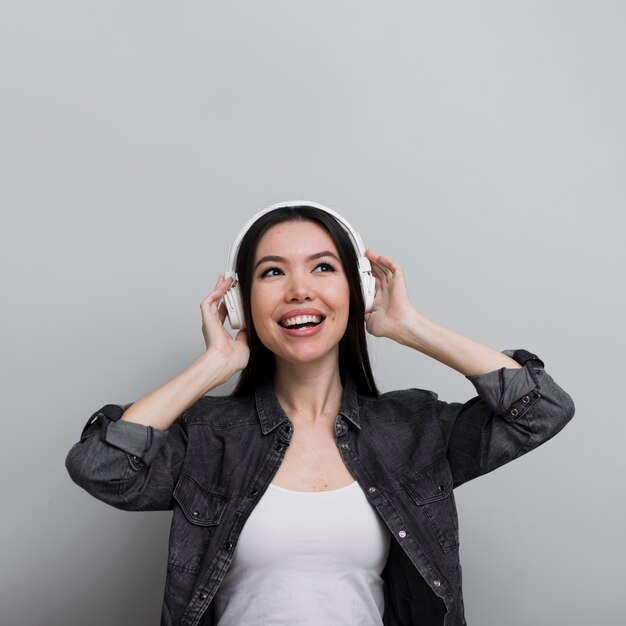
232 298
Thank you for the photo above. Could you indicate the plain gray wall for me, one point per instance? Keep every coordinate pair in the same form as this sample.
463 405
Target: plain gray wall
480 144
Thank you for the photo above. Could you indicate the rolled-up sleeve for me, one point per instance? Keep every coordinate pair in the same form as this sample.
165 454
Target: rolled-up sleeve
127 465
516 410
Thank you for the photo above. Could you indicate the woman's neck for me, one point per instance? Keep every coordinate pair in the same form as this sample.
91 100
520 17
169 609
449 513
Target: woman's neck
308 392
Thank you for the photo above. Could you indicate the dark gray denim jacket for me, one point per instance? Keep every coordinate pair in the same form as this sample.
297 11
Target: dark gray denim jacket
406 449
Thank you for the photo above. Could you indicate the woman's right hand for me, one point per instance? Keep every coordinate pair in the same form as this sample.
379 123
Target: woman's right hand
218 340
223 358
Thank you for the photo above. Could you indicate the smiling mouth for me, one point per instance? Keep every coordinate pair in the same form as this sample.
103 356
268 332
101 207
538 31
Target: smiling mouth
302 321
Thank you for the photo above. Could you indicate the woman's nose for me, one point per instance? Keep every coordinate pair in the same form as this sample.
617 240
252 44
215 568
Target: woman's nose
299 289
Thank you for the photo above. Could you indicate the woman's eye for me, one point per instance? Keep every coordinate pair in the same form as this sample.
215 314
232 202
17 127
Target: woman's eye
324 267
271 271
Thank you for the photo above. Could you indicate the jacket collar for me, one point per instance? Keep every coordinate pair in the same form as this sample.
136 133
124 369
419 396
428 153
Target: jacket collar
272 415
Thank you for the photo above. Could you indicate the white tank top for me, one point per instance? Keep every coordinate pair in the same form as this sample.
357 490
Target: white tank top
307 558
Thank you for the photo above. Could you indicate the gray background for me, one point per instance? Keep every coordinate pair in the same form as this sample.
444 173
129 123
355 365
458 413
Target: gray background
480 144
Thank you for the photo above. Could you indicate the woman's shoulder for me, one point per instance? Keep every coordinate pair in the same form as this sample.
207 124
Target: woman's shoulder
398 404
221 411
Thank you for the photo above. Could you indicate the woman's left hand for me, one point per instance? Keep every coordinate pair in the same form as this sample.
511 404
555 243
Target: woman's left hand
394 317
392 308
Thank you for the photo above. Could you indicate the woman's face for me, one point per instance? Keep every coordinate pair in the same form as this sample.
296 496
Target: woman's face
300 298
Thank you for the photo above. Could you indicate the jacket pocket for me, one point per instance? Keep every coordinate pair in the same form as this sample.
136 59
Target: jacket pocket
431 489
196 514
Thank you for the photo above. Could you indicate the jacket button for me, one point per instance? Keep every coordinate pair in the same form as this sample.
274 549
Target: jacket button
204 596
437 583
442 487
402 534
514 412
228 545
195 513
254 491
525 399
372 489
279 448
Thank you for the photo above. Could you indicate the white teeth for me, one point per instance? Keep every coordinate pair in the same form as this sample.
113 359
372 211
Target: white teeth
301 319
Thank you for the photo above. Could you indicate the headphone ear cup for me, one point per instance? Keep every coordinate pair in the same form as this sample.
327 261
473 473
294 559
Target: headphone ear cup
234 307
368 282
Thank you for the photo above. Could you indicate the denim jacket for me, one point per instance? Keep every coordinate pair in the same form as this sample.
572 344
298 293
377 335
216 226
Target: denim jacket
406 449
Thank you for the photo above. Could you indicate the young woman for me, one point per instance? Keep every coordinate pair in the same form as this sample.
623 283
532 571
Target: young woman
306 497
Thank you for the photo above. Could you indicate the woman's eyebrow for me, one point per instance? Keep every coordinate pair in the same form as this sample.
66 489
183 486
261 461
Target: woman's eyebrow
319 255
269 257
279 259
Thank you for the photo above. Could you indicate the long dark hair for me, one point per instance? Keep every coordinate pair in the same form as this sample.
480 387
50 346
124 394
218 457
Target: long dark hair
353 354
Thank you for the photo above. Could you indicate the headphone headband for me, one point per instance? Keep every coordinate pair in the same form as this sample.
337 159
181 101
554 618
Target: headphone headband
232 298
231 268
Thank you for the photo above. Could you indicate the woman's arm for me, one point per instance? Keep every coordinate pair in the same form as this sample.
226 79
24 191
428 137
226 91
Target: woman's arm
519 406
223 358
394 317
130 457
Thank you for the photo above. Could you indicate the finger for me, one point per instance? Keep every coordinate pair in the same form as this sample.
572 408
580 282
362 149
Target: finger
222 312
371 255
227 283
378 269
380 274
388 265
209 304
218 285
211 296
221 287
373 258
